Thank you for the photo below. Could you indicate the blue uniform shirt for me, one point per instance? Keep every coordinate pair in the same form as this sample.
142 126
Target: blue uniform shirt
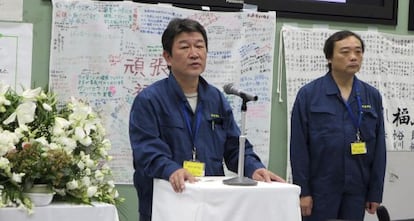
161 141
321 135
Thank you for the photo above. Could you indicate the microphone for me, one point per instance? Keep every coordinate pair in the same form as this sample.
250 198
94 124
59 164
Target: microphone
382 214
231 89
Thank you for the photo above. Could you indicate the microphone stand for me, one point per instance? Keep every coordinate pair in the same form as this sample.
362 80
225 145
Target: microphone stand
241 180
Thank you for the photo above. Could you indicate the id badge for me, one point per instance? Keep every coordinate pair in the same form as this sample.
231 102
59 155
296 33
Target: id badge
195 168
358 148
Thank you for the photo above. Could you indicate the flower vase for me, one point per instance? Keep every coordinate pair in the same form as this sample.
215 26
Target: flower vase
40 194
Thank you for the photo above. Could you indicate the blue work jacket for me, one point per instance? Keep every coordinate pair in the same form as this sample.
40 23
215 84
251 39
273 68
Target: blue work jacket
322 131
161 140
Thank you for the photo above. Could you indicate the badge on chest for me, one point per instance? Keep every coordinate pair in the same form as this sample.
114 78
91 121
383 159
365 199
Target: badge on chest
195 168
358 148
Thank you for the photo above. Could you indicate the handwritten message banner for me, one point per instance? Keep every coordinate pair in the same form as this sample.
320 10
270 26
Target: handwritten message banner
108 52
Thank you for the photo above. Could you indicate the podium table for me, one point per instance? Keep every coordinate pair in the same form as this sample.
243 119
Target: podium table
211 200
62 212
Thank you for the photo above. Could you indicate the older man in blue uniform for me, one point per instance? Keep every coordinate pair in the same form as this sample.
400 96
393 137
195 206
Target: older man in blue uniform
183 120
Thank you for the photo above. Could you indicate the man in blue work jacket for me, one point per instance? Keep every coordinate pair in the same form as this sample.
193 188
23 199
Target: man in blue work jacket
183 119
337 145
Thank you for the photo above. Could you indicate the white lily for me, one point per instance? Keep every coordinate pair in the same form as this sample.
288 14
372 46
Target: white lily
86 141
3 101
43 141
80 111
60 125
89 125
79 133
17 177
116 194
31 95
19 131
47 107
25 113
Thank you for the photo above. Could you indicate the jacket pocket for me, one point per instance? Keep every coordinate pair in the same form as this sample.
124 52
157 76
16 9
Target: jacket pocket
322 120
369 125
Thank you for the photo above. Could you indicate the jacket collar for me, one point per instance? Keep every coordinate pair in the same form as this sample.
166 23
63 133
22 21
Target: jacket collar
332 88
175 87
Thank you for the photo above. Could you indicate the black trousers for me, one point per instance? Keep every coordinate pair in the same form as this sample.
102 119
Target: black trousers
143 217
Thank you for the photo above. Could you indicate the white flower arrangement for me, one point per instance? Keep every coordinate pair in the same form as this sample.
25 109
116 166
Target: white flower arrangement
63 148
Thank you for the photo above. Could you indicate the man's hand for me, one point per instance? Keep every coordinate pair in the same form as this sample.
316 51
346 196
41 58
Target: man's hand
178 178
371 207
265 175
306 204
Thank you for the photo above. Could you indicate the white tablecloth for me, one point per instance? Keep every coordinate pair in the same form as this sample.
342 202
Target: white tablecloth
211 200
63 212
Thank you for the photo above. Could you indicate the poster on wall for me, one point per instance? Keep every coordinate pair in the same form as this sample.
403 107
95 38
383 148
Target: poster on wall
11 10
16 41
111 51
